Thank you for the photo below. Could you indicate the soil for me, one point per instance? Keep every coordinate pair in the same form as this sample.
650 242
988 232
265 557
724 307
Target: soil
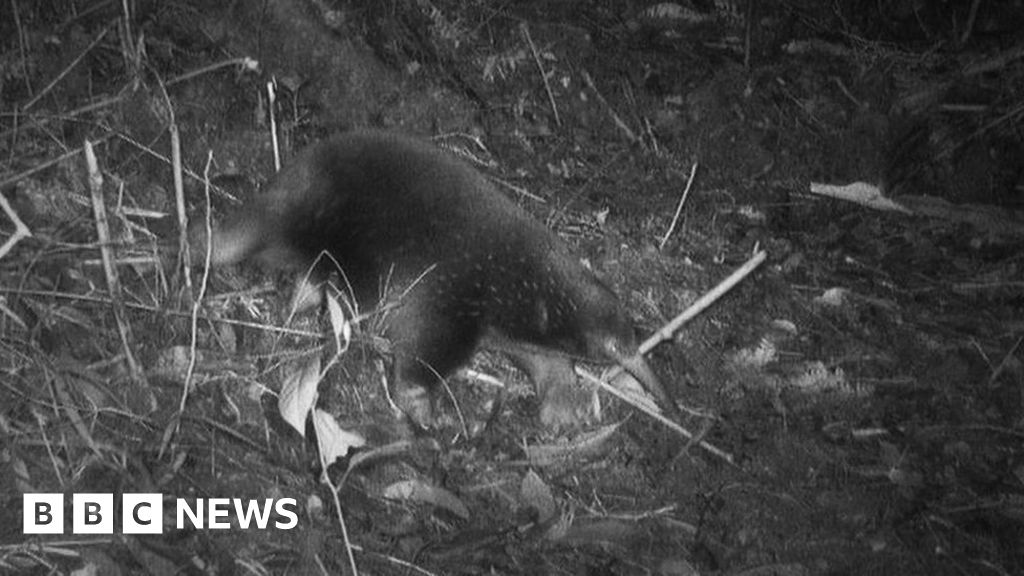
855 405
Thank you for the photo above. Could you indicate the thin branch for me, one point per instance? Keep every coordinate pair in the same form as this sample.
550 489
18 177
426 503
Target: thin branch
165 159
271 100
40 120
179 203
110 270
615 117
349 548
20 229
679 208
22 42
668 330
748 27
245 63
972 16
173 426
66 70
48 163
543 75
159 310
627 398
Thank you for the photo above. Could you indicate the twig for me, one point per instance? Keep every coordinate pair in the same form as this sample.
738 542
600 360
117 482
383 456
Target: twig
127 20
22 42
325 478
131 50
1008 358
179 203
66 70
615 117
599 173
349 548
81 13
397 561
273 126
71 410
543 75
244 62
702 303
679 208
1012 115
997 62
167 160
6 311
656 415
20 229
971 18
668 330
160 310
42 423
228 431
748 25
113 283
13 131
48 163
40 120
517 189
846 92
197 301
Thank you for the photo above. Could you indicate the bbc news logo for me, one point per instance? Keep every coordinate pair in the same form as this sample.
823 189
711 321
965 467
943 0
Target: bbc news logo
144 513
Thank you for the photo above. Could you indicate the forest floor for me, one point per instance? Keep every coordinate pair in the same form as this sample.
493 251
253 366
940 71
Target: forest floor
855 405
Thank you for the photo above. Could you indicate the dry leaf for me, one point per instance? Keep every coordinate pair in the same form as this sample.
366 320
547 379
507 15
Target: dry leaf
340 325
333 441
535 493
298 393
417 491
584 447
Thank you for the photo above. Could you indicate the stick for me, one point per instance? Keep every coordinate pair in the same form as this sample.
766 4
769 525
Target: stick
543 75
615 117
243 62
22 41
160 310
173 426
668 330
272 99
325 478
179 202
165 159
65 71
971 17
113 283
711 448
20 229
679 208
48 163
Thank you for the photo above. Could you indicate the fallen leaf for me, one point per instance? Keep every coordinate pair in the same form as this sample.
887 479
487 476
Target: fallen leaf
298 393
417 491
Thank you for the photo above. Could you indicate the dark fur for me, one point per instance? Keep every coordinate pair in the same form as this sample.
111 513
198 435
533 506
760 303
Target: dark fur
389 207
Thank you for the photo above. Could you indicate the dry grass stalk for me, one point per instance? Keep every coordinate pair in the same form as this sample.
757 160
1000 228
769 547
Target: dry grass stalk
148 402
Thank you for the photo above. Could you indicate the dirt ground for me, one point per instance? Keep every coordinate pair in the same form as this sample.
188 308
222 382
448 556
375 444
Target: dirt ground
854 405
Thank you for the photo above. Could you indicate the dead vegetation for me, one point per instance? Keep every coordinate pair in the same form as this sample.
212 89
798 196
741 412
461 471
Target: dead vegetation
866 381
